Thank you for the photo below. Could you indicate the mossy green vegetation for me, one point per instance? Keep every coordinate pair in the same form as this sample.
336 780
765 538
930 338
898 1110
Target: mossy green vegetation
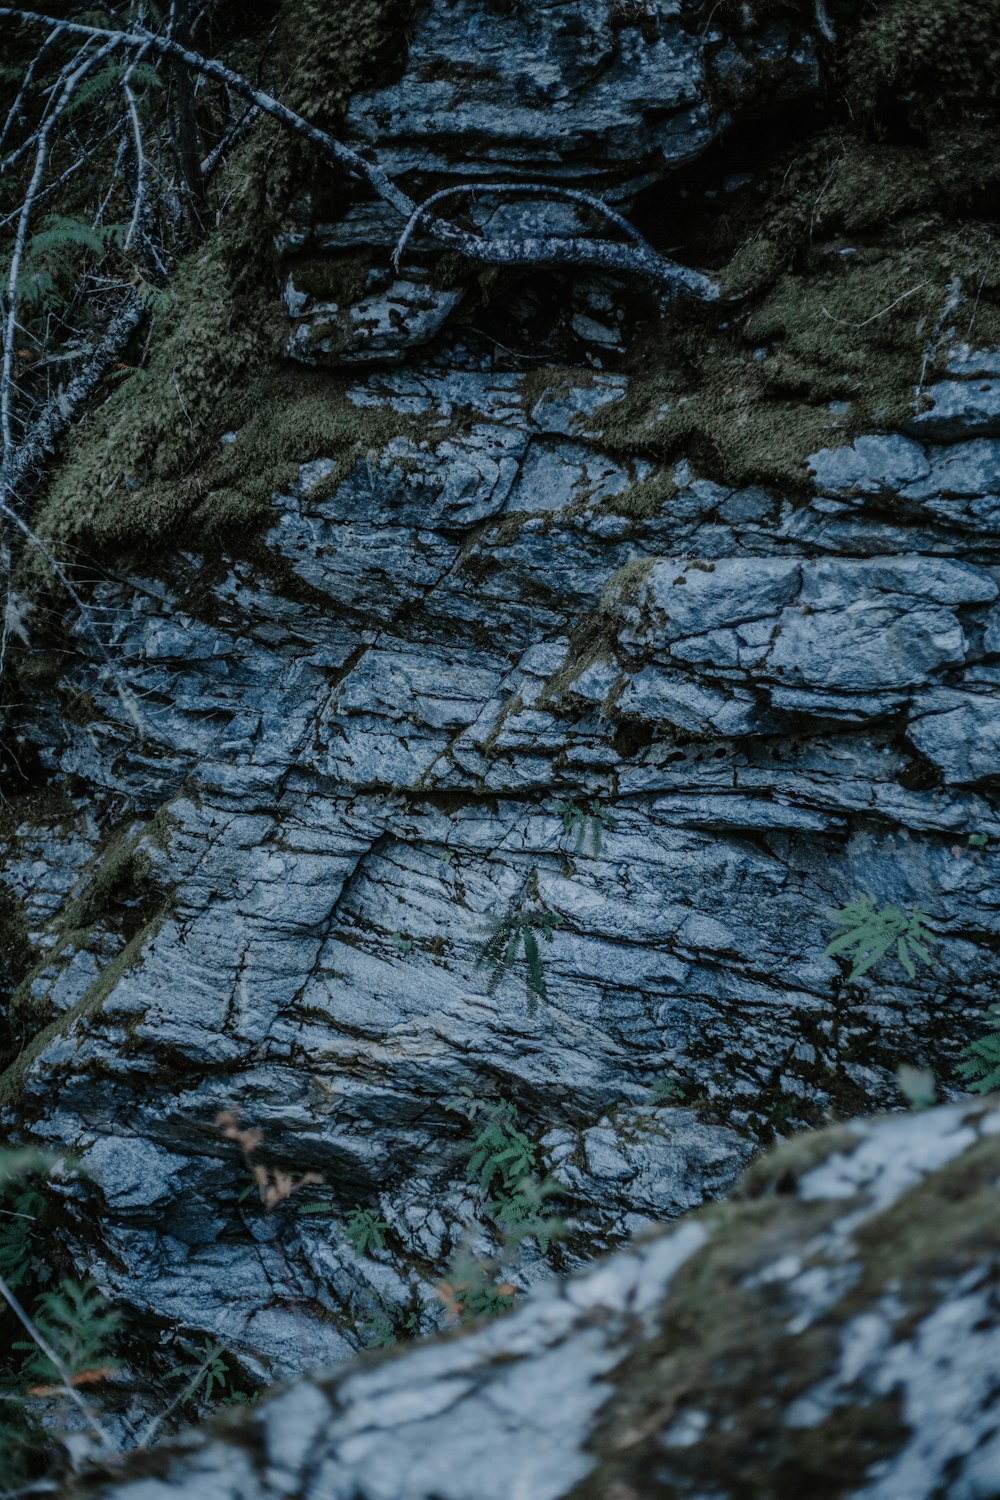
118 895
732 1345
147 468
850 261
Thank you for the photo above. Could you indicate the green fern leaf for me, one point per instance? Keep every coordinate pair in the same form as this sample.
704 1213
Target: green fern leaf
536 979
76 1320
981 1064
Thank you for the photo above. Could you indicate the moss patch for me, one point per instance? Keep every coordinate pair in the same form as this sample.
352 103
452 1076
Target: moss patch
147 468
118 894
850 260
727 1347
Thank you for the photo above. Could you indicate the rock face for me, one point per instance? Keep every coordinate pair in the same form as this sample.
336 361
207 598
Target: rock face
484 669
833 1331
594 95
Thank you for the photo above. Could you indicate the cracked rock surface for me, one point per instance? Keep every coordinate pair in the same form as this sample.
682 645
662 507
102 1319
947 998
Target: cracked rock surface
834 1329
348 785
267 859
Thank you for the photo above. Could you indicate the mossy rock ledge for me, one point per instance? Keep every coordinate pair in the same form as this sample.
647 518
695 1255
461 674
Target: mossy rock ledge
833 1330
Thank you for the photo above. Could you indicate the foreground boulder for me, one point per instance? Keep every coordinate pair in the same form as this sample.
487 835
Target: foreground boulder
834 1330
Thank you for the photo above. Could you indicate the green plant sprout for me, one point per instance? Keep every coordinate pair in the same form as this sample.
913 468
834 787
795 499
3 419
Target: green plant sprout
381 1331
365 1231
510 933
666 1091
471 1288
501 1151
917 1086
205 1371
981 1065
871 933
464 1102
504 1160
19 1214
595 819
521 1214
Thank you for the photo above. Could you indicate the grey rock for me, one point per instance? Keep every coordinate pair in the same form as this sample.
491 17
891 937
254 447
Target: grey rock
544 1401
354 753
959 409
381 327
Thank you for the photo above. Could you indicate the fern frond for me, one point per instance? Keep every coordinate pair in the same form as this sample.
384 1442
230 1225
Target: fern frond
109 77
61 231
536 979
76 1320
981 1065
867 935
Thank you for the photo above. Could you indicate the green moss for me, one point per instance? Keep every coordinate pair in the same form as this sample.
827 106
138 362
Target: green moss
941 57
118 893
950 1215
147 469
725 1345
626 583
779 1170
591 641
11 1081
848 266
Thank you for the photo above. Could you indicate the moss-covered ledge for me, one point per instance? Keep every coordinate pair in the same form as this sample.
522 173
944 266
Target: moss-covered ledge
831 1331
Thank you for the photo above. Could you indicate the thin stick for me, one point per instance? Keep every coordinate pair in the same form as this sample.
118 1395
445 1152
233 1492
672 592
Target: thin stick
14 112
540 189
845 323
10 330
638 258
154 1425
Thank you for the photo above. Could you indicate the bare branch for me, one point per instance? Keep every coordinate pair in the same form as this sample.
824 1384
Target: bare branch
40 439
519 189
139 204
10 329
16 109
232 138
638 258
508 251
149 1433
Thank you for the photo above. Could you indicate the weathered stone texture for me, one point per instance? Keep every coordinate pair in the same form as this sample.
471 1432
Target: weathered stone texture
836 1332
279 851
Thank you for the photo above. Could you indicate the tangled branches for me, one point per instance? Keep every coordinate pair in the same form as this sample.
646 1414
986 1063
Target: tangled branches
100 119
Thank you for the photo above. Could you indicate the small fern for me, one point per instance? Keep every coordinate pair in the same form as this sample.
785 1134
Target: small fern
666 1091
19 1213
96 88
870 933
77 1322
595 819
522 1216
365 1231
205 1371
380 1330
501 1151
509 934
472 1290
981 1065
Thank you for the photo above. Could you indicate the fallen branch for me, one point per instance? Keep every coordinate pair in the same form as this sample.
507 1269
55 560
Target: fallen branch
633 257
41 437
638 258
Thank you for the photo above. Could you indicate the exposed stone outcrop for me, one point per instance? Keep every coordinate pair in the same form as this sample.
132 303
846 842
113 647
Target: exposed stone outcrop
482 584
833 1331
